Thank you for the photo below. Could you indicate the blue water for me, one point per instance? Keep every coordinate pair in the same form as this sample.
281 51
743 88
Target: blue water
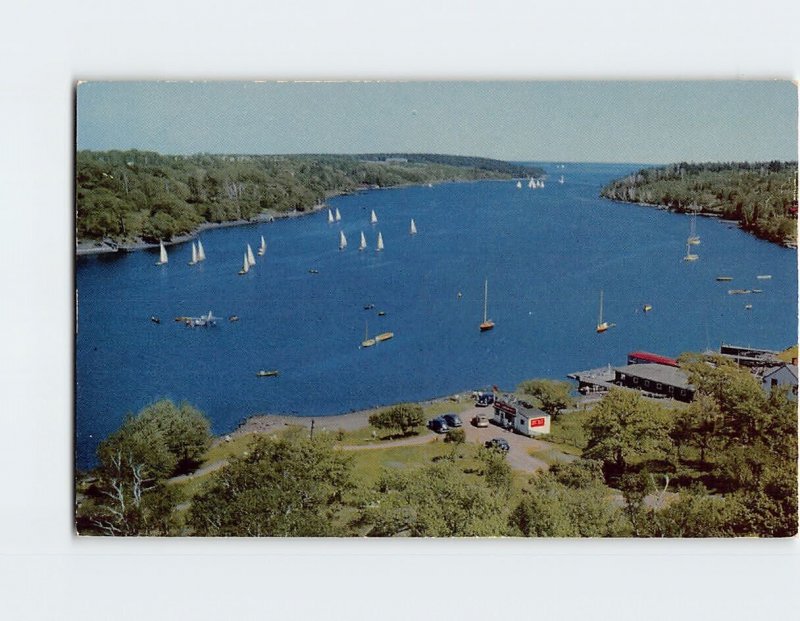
546 254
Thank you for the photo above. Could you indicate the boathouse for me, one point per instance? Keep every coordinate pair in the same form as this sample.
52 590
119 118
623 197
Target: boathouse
521 416
645 357
749 356
656 380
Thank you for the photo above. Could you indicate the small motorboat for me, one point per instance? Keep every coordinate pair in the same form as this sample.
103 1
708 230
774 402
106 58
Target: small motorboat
724 278
384 336
233 318
739 291
764 276
647 308
263 373
369 306
748 307
313 271
155 319
381 313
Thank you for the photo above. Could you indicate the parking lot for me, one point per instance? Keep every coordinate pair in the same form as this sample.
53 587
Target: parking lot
518 457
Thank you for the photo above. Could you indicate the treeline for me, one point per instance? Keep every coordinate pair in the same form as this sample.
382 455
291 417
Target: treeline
725 465
132 195
761 196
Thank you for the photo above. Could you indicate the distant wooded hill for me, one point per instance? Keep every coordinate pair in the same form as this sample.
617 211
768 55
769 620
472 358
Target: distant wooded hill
130 195
762 196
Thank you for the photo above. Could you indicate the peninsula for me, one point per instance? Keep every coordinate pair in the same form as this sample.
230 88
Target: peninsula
761 196
132 197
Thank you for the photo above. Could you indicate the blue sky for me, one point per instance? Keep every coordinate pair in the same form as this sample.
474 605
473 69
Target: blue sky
631 121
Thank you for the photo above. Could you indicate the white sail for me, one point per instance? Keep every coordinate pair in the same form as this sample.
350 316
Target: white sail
194 254
373 219
531 183
380 242
363 243
163 258
342 241
250 258
245 265
413 227
201 254
262 248
519 184
338 215
561 180
330 217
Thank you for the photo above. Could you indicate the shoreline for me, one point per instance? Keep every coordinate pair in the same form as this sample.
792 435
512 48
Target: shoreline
348 421
94 247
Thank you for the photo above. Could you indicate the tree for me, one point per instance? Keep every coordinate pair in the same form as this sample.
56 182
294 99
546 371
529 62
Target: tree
696 513
553 396
437 500
406 417
496 470
569 500
130 496
623 426
287 487
456 437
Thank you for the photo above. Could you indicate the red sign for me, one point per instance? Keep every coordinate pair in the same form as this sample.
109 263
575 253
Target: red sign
537 422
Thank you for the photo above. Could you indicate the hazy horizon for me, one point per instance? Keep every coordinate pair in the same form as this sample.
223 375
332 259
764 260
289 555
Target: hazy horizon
576 121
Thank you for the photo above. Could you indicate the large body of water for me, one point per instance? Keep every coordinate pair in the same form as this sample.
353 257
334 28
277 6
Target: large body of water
546 253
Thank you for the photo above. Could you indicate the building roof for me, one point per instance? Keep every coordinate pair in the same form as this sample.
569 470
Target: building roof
788 354
790 367
660 373
657 358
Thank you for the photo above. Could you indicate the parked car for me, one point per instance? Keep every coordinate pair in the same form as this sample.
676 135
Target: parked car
500 444
452 420
484 399
479 420
438 424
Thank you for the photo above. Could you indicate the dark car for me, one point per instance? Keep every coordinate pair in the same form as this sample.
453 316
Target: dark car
438 424
452 420
501 444
484 399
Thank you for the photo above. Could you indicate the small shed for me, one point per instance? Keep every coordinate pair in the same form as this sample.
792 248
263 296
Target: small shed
521 416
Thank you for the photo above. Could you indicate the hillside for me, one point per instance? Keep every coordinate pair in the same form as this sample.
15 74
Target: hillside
762 197
131 195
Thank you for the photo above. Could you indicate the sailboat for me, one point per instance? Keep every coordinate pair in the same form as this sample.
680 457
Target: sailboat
367 342
380 242
602 326
342 241
163 259
561 180
330 217
263 247
694 238
487 324
373 219
531 184
519 185
194 254
689 256
250 258
338 216
363 243
245 266
413 229
201 254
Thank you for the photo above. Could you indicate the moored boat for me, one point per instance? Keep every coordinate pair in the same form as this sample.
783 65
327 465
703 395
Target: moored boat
250 258
245 266
373 219
487 324
724 278
262 249
384 336
342 241
271 373
380 242
163 259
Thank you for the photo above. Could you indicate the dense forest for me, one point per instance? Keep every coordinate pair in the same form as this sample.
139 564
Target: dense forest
132 195
725 465
762 197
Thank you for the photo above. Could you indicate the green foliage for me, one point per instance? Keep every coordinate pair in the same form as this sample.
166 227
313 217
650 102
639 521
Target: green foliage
568 501
624 426
761 196
496 470
405 417
437 500
287 487
553 396
130 496
126 195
